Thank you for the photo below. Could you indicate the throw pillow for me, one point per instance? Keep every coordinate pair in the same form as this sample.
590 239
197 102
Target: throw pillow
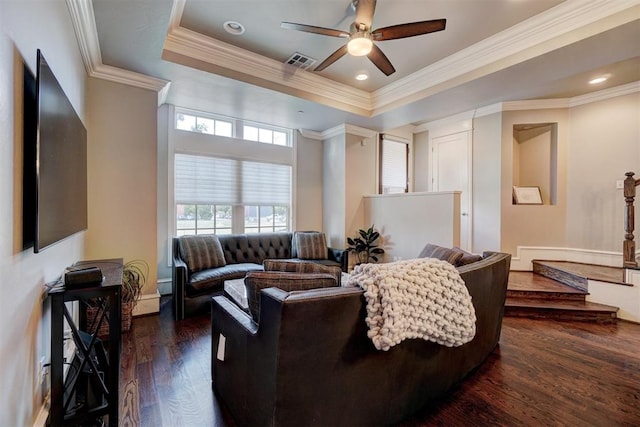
438 252
255 281
302 267
201 252
294 239
311 245
467 257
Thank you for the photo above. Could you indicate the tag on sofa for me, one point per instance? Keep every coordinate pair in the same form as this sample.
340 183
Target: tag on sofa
221 346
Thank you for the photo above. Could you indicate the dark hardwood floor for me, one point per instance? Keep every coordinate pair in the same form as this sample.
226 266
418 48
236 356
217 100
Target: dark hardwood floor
544 372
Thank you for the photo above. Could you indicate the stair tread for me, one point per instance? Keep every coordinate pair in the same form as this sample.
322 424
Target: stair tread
559 305
528 281
600 273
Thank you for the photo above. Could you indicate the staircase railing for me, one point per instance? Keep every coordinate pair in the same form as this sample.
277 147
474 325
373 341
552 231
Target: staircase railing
629 245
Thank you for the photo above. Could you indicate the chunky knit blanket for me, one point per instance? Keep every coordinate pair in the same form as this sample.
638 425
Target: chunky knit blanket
419 298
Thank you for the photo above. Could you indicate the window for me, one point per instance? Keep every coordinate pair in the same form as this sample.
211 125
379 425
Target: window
266 135
211 126
265 219
207 123
221 196
203 219
394 159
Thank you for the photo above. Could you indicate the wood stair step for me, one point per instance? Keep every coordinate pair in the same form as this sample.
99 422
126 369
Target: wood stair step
526 284
560 275
560 310
535 296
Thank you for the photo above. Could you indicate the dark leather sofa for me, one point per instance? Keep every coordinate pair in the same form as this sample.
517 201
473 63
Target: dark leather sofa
309 362
243 253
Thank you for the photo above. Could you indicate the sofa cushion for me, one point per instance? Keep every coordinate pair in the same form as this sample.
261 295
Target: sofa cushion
212 280
201 252
311 245
301 266
467 257
441 253
256 281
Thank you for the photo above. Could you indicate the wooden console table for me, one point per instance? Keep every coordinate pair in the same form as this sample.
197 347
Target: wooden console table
90 390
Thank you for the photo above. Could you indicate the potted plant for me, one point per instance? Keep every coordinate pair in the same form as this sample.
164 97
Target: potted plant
134 276
364 246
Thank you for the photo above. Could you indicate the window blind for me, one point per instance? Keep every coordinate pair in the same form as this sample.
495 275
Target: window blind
214 180
394 166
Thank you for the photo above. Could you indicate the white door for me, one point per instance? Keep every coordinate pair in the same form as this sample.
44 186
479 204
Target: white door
451 171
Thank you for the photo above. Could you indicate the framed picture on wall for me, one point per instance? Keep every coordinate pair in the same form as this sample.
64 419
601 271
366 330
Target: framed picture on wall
526 196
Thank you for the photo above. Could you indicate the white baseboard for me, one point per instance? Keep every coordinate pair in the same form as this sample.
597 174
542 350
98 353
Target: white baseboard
525 254
147 304
164 287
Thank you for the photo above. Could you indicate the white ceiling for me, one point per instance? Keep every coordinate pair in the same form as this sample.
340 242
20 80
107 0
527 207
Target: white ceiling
522 49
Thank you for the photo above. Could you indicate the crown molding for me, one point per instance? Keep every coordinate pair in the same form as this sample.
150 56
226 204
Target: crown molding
183 45
559 26
84 25
310 134
453 124
601 95
535 104
345 128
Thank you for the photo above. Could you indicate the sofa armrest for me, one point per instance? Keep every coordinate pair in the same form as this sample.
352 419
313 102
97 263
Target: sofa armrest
341 256
179 279
231 310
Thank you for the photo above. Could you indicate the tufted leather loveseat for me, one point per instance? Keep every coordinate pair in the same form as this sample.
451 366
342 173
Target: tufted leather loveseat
242 253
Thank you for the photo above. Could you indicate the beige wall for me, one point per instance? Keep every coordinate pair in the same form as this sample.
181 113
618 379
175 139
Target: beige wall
308 184
603 145
487 165
407 222
24 314
333 195
122 174
421 161
164 250
350 172
360 180
533 225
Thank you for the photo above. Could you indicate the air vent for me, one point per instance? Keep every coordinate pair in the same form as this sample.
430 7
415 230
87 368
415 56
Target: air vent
301 61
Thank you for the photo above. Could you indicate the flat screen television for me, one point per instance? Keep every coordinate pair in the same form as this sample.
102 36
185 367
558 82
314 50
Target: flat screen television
55 162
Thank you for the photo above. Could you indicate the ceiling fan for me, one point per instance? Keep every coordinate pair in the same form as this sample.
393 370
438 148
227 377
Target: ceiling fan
361 37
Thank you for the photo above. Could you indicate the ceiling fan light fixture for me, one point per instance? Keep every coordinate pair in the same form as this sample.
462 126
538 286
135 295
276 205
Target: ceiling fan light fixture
360 44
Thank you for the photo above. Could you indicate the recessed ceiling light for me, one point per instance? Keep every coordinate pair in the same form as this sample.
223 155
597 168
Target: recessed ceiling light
598 80
233 27
362 76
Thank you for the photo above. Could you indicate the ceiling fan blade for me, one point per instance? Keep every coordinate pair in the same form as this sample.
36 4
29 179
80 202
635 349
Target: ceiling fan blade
332 58
313 29
364 12
409 30
380 60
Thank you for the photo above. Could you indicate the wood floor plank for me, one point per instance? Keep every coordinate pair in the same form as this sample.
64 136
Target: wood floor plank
543 372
